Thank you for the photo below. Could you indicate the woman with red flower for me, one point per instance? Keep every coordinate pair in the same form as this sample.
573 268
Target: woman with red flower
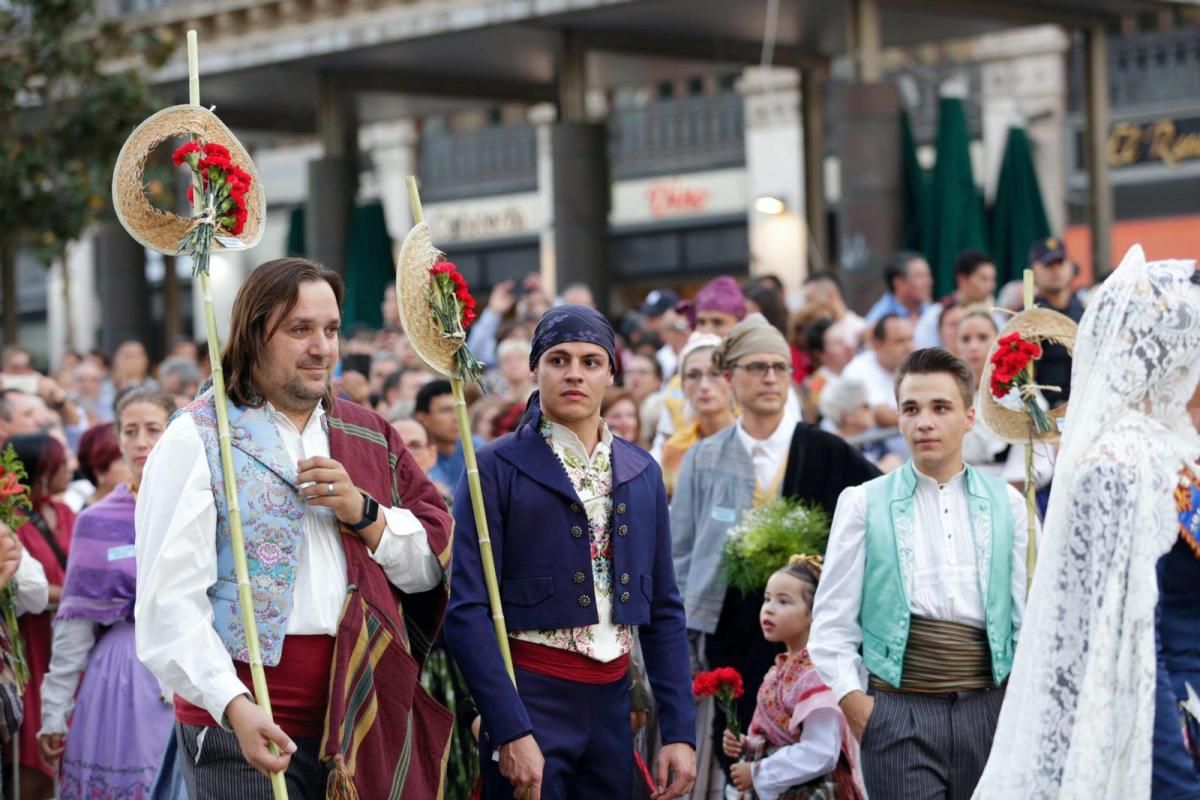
46 535
982 448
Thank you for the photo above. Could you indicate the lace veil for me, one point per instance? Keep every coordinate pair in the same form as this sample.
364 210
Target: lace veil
1078 717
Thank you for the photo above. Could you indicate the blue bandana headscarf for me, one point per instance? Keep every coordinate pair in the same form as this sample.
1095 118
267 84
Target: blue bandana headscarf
573 323
569 323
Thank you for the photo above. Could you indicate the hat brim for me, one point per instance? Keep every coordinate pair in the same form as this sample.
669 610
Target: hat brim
163 230
417 256
1038 325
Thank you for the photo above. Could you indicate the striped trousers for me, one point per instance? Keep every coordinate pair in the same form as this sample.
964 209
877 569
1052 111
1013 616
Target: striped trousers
214 768
928 746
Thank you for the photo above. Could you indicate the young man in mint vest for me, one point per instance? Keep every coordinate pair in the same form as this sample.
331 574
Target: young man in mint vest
347 544
917 614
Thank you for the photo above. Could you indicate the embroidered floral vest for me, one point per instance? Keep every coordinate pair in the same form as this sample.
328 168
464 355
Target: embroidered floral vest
272 524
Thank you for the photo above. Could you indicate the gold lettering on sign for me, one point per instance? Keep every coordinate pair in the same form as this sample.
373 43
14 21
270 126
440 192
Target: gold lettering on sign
1170 147
1130 143
1124 143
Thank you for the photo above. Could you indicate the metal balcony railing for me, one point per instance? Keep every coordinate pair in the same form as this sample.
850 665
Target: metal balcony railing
667 137
487 161
1145 68
682 134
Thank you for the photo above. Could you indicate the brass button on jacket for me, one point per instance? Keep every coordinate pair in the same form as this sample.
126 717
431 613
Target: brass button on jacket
579 577
576 531
624 578
584 600
620 508
623 530
624 597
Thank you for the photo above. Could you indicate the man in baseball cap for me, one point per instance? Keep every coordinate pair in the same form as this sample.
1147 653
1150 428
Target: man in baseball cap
1053 274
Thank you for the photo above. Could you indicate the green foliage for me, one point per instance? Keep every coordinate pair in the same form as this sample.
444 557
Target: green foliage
767 536
66 108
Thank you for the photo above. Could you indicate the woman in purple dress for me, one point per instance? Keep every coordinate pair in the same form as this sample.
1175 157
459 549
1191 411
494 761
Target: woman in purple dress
114 740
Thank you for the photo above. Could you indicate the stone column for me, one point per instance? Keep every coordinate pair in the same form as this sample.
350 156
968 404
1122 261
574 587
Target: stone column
393 149
580 189
775 175
332 179
869 218
123 291
1024 82
577 174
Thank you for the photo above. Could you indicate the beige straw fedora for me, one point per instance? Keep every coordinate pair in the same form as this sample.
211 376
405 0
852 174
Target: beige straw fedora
1037 325
417 256
161 230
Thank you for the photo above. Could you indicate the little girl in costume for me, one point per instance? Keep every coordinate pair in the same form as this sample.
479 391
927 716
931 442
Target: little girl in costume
799 746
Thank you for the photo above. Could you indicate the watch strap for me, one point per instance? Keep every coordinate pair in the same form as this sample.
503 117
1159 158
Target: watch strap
370 513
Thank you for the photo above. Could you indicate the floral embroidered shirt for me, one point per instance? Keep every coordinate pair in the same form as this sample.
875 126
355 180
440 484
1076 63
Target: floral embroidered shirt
591 476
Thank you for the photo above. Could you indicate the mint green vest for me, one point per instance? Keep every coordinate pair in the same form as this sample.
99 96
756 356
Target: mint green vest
889 571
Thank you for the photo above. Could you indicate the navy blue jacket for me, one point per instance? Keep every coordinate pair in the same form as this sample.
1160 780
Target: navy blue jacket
542 553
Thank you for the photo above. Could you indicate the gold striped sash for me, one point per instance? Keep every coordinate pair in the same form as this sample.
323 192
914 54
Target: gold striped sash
943 657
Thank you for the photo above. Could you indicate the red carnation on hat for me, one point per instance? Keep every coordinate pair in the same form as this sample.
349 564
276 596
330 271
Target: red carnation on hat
183 151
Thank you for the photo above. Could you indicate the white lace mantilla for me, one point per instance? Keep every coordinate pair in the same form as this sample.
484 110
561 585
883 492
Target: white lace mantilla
1078 718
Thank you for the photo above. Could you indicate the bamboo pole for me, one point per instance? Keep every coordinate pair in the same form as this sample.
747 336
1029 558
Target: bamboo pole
241 570
1030 477
481 524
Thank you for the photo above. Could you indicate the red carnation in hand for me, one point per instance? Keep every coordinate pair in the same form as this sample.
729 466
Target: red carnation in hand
10 485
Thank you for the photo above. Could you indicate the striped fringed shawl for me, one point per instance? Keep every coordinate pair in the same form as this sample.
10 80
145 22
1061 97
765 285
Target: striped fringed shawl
385 737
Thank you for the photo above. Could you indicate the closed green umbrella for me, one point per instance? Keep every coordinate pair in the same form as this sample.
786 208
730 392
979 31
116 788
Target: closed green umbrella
1018 214
370 265
955 219
914 183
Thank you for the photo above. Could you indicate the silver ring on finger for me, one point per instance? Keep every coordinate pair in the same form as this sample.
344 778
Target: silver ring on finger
330 492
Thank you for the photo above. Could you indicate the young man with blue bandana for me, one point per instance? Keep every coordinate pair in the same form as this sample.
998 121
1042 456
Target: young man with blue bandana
582 549
917 614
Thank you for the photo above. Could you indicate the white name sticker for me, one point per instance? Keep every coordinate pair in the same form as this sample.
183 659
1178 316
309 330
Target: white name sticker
119 553
231 242
722 514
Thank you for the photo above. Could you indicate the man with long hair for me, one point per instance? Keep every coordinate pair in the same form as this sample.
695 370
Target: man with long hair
347 544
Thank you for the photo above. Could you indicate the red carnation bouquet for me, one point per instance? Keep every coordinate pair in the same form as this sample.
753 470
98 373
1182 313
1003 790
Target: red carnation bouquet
13 496
454 309
1012 370
222 207
725 684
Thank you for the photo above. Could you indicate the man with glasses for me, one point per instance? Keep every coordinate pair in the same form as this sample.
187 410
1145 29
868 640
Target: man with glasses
769 453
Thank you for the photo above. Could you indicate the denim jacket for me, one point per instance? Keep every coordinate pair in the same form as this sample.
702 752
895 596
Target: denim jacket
714 488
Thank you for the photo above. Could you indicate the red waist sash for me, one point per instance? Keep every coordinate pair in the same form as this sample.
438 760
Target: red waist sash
298 686
556 663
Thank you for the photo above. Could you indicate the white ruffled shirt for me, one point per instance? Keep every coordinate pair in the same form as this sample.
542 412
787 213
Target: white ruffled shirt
176 522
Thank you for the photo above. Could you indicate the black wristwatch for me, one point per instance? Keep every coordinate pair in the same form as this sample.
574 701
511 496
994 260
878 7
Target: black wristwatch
370 513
